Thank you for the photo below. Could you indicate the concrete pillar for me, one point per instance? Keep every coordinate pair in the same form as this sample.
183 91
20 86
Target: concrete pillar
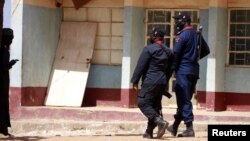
16 23
217 37
7 14
1 17
133 42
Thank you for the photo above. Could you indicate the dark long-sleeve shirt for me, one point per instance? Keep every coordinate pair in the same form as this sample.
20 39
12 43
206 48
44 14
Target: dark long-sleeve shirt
154 65
187 53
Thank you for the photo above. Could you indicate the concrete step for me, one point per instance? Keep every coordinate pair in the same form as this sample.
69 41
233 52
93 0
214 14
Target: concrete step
61 121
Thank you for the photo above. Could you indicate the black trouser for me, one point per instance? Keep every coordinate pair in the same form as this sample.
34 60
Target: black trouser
149 101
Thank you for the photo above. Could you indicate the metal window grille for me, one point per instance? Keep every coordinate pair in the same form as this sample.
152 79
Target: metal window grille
239 37
163 18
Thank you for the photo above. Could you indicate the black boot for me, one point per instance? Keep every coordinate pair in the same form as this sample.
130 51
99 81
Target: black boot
148 135
162 125
4 131
189 132
173 129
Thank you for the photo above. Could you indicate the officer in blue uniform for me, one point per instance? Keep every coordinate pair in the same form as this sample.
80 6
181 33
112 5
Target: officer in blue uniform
153 68
189 47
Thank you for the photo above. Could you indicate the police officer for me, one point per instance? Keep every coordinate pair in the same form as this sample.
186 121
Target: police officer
153 68
189 47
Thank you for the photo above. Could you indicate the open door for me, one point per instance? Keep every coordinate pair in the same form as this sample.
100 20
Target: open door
71 66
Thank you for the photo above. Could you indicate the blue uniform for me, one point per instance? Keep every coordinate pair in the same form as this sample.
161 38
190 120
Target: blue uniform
153 68
187 54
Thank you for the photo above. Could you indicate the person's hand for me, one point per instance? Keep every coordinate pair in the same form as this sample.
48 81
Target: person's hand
135 87
13 62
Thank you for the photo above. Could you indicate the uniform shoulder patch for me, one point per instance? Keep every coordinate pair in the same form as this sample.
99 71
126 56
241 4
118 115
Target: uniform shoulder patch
177 39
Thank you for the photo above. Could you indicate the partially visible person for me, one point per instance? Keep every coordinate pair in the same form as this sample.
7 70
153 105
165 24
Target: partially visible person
5 65
153 68
189 47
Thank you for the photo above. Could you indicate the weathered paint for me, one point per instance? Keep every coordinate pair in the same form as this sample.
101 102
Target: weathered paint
218 3
109 97
237 80
218 85
104 76
230 101
41 27
82 114
203 62
176 4
134 3
7 14
41 3
133 42
97 3
238 3
33 96
217 41
16 46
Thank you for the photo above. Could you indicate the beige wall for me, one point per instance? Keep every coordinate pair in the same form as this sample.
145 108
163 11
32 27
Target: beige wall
145 3
41 3
238 3
195 3
97 3
109 14
176 3
135 3
163 3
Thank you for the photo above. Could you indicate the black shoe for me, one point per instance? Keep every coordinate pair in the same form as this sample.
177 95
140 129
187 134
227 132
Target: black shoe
4 131
147 135
187 133
162 126
172 130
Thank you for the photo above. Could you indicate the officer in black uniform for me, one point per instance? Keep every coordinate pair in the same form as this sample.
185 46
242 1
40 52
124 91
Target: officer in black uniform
153 68
189 47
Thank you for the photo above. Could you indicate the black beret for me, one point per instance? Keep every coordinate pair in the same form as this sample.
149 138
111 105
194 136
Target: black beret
158 32
183 15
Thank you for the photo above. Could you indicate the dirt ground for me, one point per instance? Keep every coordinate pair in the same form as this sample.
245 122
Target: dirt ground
200 136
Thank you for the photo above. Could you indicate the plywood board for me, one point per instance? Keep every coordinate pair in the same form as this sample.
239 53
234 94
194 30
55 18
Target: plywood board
71 68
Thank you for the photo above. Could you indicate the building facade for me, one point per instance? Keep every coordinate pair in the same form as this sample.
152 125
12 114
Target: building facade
122 32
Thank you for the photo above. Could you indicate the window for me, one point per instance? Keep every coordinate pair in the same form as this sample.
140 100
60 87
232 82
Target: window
239 37
163 18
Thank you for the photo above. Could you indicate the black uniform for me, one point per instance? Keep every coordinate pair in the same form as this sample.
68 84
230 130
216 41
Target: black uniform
153 68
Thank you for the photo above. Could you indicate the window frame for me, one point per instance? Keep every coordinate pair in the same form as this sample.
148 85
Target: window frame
172 13
229 37
172 30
